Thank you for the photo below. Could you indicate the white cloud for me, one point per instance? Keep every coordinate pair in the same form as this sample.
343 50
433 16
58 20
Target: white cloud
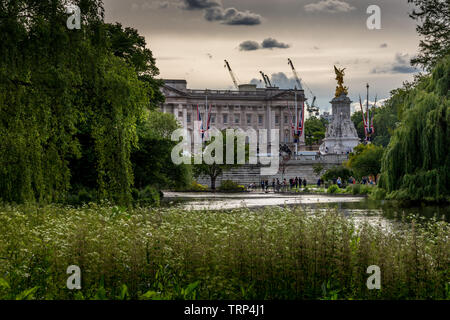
355 106
331 6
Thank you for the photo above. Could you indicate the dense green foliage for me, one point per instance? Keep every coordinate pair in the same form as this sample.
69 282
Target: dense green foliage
385 120
416 164
365 160
314 130
433 18
70 103
336 172
240 254
231 186
152 163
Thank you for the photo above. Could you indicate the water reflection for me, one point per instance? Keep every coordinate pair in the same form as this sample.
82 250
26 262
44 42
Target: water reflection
358 208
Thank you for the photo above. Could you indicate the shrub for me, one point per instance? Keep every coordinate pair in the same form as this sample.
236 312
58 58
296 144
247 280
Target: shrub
231 186
336 172
333 189
197 187
356 189
378 194
81 197
149 196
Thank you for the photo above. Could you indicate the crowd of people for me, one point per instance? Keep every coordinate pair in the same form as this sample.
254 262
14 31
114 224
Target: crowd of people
280 186
297 183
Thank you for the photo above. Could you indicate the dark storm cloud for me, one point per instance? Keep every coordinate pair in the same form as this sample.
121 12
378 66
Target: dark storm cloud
214 11
401 64
232 16
200 4
331 6
271 43
249 46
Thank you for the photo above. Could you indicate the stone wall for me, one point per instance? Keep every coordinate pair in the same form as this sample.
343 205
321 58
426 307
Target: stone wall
302 168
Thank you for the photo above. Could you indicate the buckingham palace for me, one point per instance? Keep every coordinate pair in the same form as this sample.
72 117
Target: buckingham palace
248 107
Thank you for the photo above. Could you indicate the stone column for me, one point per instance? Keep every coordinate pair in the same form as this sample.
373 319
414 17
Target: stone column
175 113
185 117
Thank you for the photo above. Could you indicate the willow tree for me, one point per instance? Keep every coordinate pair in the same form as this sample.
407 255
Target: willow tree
416 164
56 83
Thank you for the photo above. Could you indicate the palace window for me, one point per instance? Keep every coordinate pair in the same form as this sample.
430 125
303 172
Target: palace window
237 118
249 119
225 118
277 119
213 118
260 119
286 119
188 118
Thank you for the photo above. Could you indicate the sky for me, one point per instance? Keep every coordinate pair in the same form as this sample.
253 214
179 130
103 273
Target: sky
190 40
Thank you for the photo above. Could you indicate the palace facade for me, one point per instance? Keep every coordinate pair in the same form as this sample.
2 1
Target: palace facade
248 107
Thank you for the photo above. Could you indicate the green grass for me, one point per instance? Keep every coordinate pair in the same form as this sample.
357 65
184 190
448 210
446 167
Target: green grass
240 254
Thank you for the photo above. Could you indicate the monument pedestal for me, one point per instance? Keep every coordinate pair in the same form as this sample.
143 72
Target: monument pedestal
341 136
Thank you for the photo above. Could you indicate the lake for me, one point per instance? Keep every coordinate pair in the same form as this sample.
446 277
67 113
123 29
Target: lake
357 207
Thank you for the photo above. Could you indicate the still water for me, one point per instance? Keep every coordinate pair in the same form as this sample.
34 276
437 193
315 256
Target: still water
356 207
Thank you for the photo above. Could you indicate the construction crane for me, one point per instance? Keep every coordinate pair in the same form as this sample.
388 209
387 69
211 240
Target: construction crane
297 78
233 77
310 108
266 80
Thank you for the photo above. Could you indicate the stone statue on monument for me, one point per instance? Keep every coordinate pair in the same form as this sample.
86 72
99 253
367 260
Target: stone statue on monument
340 89
341 136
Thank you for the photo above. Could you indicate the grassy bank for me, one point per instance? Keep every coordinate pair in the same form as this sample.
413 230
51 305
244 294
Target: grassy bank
174 254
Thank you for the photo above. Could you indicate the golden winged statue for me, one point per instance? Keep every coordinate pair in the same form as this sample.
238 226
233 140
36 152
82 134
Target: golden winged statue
340 89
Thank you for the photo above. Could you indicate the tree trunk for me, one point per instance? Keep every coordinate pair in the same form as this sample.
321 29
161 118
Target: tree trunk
213 183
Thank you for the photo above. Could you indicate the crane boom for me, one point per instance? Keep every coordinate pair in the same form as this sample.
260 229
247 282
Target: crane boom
264 78
297 78
311 108
268 81
233 77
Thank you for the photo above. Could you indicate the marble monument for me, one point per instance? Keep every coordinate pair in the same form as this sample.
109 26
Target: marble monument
341 136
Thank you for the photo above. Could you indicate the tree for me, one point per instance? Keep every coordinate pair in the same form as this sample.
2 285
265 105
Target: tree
215 170
365 160
433 18
416 164
314 130
152 164
385 120
357 119
70 101
337 172
318 169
